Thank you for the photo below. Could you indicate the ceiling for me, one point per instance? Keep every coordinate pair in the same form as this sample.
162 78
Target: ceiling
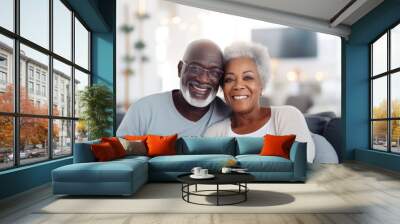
326 16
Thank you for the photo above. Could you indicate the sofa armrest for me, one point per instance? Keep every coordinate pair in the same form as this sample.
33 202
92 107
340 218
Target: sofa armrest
83 152
298 155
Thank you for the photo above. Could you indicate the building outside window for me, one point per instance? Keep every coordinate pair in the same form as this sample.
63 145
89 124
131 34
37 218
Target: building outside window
44 77
30 72
38 89
30 87
37 75
3 61
3 78
43 90
3 72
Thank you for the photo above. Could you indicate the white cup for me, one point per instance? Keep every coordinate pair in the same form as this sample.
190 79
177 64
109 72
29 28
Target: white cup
203 172
226 170
196 171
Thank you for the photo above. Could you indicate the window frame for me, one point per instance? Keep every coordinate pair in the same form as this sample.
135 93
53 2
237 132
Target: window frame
388 74
16 115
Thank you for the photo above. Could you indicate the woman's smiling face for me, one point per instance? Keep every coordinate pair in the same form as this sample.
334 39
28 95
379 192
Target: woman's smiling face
242 85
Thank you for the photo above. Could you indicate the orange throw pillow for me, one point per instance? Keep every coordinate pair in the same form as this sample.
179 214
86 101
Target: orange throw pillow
161 145
135 137
275 145
103 152
116 145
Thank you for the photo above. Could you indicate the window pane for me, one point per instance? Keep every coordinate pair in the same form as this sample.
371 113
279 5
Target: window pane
81 45
62 138
34 72
395 136
81 81
6 74
7 14
395 47
35 21
62 89
379 55
379 135
395 94
33 139
379 98
6 142
62 29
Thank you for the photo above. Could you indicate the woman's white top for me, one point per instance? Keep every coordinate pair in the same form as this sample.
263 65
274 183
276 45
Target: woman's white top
266 128
284 120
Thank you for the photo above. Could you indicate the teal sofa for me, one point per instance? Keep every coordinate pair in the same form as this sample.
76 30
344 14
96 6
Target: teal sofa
125 176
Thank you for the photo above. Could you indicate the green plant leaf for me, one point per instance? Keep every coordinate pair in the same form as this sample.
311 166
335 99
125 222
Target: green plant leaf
96 102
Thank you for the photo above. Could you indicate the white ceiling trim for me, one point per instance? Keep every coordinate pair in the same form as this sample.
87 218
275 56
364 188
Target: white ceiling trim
269 15
348 12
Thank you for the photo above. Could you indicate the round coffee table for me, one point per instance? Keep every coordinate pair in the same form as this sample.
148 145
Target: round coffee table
238 179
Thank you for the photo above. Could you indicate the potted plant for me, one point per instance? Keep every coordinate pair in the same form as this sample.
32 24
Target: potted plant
96 103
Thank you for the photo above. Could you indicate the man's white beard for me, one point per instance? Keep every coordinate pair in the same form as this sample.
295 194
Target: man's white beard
196 102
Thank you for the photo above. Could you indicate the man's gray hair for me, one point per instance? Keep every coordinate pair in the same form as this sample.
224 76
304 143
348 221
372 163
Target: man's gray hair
257 52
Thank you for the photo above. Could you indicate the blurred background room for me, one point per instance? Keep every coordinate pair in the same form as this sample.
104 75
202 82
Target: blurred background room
153 35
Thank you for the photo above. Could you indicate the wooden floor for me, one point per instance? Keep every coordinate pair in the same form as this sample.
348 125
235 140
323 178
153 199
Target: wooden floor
378 188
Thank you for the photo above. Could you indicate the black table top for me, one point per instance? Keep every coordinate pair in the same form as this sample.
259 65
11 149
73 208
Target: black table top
220 178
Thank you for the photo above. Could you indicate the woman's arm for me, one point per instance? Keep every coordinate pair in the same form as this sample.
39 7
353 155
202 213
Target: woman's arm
289 120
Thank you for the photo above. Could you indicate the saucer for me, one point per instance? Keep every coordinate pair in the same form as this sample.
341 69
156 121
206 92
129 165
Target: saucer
208 176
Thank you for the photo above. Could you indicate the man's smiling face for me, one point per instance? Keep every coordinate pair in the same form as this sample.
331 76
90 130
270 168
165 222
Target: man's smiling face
200 71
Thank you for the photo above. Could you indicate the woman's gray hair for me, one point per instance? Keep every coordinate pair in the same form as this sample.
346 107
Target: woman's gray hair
257 52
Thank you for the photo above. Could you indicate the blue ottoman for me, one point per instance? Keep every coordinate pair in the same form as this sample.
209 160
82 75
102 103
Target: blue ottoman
119 177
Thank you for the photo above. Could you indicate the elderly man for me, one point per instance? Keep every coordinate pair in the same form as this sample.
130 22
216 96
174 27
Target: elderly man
188 111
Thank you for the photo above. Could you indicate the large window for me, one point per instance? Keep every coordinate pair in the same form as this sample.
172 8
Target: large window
385 93
44 64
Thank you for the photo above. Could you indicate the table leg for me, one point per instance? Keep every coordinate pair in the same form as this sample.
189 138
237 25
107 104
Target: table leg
245 193
217 194
182 189
188 190
196 188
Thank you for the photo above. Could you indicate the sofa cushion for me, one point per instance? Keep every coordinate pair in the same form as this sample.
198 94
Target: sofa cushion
277 145
116 145
133 158
249 145
93 172
103 152
207 145
111 171
134 147
136 137
159 145
185 163
257 163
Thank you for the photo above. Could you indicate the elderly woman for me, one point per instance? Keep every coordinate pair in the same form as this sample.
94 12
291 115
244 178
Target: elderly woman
246 74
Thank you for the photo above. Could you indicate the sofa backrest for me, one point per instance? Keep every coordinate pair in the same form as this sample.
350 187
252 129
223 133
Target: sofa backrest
249 145
83 152
206 145
190 146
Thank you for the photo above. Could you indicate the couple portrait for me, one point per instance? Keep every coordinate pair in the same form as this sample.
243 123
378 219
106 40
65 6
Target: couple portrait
241 71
